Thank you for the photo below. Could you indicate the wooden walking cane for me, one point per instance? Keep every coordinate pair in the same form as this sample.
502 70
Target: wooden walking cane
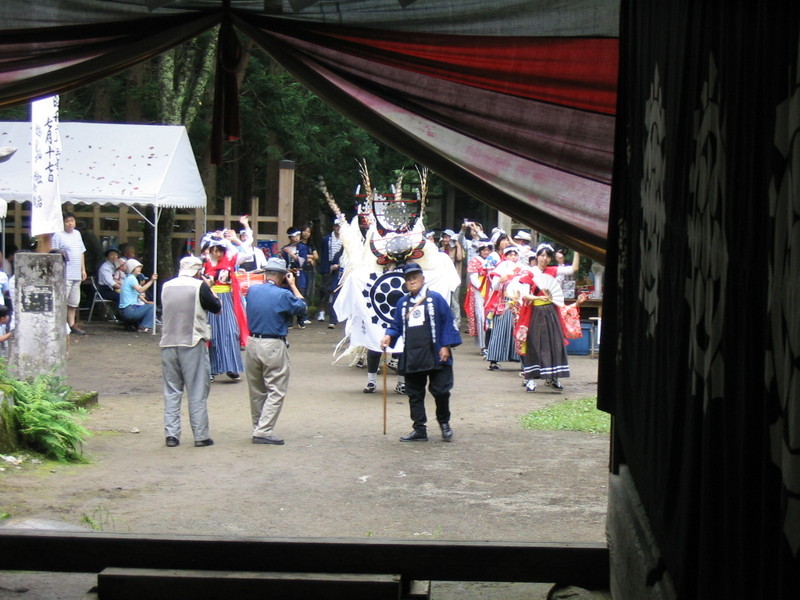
385 369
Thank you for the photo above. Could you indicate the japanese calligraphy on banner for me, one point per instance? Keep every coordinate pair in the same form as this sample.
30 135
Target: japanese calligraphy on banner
46 148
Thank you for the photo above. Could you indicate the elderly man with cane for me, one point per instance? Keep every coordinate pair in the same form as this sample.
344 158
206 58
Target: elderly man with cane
424 319
270 309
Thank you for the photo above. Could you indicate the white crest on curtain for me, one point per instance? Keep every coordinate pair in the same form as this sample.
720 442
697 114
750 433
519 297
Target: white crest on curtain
708 244
653 212
781 372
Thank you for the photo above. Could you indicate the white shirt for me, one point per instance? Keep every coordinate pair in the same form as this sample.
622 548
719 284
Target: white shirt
73 243
105 274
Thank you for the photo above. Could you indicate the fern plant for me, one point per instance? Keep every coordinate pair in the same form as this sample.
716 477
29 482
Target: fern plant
45 419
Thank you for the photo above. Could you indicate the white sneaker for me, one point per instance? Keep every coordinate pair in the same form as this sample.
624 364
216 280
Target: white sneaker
321 316
530 385
307 322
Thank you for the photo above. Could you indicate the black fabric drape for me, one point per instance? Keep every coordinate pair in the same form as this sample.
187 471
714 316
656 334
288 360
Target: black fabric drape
700 376
551 171
40 62
225 126
307 70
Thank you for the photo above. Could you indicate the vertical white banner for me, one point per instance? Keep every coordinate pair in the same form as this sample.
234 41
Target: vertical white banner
46 148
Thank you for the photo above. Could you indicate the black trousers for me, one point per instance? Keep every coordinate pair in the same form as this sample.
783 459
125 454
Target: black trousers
440 382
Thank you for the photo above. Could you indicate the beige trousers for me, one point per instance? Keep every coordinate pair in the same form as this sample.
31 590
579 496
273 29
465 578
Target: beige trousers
266 367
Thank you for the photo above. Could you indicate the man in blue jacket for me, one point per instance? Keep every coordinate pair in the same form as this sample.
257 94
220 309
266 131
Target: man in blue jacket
424 319
270 309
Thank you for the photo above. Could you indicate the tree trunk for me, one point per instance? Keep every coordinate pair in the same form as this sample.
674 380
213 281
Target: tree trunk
271 191
184 76
134 79
102 101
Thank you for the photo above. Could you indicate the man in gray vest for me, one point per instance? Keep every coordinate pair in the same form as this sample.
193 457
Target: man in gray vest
184 351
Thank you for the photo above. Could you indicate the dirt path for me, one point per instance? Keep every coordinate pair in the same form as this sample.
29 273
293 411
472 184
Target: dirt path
337 475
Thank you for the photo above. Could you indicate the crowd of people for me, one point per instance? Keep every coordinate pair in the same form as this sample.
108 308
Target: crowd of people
214 324
514 303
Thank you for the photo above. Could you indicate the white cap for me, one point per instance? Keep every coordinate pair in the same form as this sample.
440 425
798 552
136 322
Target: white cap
131 264
189 266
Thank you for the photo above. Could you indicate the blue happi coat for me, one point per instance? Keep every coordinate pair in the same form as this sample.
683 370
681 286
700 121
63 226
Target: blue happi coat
443 331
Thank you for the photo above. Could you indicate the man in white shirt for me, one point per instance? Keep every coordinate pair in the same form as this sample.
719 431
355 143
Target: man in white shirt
106 284
71 241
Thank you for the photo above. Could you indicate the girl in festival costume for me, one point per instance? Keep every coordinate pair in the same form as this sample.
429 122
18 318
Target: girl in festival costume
539 328
501 344
473 302
228 328
500 241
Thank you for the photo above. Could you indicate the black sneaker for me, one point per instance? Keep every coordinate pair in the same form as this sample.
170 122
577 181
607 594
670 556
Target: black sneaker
233 376
172 442
555 384
201 443
493 366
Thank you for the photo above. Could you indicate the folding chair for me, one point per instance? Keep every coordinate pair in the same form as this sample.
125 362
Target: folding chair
97 298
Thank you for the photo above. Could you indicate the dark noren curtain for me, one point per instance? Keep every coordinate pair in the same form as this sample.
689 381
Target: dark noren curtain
701 333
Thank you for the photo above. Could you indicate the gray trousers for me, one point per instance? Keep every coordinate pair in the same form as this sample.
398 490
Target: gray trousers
266 366
455 307
189 368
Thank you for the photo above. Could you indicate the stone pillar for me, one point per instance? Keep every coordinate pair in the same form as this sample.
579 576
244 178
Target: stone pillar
285 200
450 210
39 343
504 223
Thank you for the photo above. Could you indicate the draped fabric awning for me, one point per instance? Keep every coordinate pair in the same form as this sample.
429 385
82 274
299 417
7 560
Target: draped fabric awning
513 101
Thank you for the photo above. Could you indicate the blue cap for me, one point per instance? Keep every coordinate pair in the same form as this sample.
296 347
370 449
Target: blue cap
409 268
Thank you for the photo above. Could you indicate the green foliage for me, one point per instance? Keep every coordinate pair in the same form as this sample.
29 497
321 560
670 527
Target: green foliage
569 415
282 119
46 421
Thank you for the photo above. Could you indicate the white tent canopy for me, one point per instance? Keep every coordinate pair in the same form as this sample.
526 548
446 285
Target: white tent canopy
107 163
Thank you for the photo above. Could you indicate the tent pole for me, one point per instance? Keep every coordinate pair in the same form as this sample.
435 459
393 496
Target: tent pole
157 211
154 225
